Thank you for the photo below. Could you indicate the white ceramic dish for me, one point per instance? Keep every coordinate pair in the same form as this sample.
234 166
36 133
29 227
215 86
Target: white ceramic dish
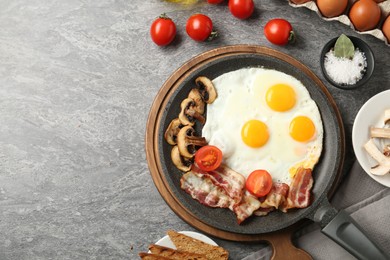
370 114
166 241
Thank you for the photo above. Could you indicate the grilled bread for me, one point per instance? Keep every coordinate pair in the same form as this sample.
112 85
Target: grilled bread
192 245
147 256
175 254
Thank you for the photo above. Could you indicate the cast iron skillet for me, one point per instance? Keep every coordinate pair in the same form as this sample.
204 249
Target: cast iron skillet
337 225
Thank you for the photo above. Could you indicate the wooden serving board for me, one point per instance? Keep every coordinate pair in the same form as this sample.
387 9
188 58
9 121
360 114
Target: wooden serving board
279 240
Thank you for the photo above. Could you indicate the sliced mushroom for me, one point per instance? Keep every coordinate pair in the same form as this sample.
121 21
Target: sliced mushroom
197 97
182 163
188 113
187 141
380 169
387 116
380 132
172 131
386 150
206 88
384 162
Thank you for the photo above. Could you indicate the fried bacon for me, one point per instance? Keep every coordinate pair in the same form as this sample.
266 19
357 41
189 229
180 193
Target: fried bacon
299 193
201 188
275 198
246 207
229 180
224 188
263 211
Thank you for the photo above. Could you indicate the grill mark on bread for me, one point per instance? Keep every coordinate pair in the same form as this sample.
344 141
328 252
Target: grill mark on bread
175 254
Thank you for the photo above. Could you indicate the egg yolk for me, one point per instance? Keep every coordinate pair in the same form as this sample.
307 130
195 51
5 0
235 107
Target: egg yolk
254 133
302 129
280 97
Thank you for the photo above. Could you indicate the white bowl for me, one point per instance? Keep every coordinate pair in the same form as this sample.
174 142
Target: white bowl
166 241
370 114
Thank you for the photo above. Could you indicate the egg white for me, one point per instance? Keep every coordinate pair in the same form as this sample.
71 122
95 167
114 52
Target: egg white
241 97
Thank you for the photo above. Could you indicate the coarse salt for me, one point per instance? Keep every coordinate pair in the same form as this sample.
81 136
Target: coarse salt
343 70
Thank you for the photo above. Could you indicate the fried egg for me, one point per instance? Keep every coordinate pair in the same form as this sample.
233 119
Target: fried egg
264 119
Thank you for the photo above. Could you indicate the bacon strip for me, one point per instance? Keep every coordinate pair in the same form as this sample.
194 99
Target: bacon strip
229 180
201 188
276 196
263 211
246 207
273 200
299 194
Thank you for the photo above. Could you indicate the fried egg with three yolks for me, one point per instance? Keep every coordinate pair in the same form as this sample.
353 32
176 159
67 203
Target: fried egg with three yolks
264 119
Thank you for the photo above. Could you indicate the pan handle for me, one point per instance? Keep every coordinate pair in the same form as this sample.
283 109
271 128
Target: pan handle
282 246
341 228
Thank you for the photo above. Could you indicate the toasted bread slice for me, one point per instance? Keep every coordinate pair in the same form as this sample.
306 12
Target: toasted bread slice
147 256
189 244
175 254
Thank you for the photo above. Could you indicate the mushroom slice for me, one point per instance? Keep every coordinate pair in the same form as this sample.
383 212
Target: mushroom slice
387 116
182 163
188 113
197 97
380 132
187 141
384 162
386 150
206 89
380 169
172 131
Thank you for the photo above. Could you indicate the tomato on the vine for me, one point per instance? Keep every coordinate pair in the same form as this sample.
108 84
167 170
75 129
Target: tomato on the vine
200 27
208 158
214 2
163 30
259 183
279 32
241 9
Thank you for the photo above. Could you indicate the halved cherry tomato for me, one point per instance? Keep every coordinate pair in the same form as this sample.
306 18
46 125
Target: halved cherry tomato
259 183
200 27
241 9
208 158
163 30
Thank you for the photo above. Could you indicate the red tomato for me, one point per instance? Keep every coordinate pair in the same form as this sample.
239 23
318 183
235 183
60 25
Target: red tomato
214 2
163 30
241 9
199 27
259 183
279 31
208 158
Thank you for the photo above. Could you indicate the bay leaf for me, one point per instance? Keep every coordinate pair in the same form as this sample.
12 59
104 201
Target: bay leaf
344 47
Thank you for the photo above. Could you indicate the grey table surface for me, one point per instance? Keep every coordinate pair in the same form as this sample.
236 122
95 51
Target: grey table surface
77 80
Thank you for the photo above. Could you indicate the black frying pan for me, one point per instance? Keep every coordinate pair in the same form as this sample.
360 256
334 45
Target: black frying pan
337 225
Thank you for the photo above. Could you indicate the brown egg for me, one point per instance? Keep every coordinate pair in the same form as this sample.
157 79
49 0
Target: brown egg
386 28
365 15
332 8
299 2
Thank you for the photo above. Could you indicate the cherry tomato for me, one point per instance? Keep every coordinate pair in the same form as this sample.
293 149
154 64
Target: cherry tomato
279 31
214 2
163 30
200 27
208 158
259 183
241 9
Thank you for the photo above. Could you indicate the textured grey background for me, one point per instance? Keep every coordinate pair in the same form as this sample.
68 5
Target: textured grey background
77 79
